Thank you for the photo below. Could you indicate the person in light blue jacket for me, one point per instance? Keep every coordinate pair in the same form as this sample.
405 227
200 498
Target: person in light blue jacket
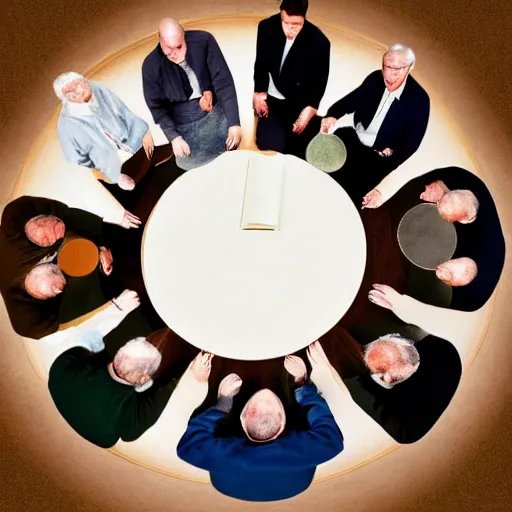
95 128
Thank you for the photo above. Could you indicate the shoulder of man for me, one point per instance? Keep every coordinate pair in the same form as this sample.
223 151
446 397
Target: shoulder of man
152 60
413 87
271 22
197 36
316 34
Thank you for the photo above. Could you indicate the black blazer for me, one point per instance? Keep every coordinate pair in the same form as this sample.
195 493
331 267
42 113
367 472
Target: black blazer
405 123
305 71
410 409
482 240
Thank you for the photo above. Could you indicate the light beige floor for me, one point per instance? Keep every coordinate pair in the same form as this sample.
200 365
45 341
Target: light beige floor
353 58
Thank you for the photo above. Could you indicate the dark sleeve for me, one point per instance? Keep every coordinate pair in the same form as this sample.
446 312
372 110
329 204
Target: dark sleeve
320 443
378 410
413 133
144 413
261 79
349 103
156 100
320 73
85 224
30 317
222 82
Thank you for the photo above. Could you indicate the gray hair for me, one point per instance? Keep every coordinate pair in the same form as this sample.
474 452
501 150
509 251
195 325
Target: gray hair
65 79
404 50
464 198
407 349
138 355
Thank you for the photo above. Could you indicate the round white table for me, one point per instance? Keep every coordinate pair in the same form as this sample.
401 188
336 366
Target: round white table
252 295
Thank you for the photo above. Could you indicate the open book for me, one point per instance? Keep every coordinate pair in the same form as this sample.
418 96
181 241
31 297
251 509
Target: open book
262 198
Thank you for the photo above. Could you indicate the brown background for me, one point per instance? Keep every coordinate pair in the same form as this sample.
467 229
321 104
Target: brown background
464 463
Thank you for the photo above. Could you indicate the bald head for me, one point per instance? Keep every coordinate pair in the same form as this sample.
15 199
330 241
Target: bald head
263 418
458 206
45 230
457 272
391 359
172 40
45 281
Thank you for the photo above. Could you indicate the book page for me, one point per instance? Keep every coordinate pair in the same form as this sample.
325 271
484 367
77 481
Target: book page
263 187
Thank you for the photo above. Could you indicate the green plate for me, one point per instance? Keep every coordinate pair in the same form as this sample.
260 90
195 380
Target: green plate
326 152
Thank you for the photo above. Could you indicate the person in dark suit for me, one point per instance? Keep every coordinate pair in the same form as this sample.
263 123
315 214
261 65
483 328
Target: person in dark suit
290 77
391 112
190 93
407 386
267 461
464 199
38 297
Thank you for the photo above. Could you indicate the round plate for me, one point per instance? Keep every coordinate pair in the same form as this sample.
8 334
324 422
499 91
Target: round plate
78 257
425 238
326 152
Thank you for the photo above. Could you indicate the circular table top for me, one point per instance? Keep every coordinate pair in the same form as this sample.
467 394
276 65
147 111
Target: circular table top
252 294
78 257
425 238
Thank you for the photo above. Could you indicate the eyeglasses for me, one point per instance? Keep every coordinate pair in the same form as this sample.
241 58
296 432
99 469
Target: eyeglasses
391 68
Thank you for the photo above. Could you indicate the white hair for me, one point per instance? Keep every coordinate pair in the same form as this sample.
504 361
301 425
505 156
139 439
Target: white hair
463 199
404 50
138 355
64 79
407 349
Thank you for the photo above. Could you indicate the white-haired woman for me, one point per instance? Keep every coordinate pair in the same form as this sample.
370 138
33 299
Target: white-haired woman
97 130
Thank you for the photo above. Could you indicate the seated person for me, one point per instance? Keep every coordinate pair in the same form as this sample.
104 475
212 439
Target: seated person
290 77
190 93
105 399
407 385
464 199
391 112
38 297
95 128
269 462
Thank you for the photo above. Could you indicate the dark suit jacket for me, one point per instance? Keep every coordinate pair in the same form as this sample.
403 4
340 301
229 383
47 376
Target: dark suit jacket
405 123
305 71
269 471
410 409
31 317
482 240
162 80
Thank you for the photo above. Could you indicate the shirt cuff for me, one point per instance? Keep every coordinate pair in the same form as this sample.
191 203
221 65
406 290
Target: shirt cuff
224 404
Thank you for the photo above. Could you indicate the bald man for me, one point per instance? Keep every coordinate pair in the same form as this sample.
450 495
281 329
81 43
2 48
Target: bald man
268 461
190 92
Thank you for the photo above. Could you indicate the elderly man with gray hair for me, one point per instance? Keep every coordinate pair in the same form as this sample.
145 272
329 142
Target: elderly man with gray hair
105 399
407 385
391 112
97 130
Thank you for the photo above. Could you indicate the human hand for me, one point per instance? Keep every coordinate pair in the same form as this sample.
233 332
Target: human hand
201 366
206 101
259 102
296 367
106 261
302 121
129 220
127 301
327 123
234 137
373 199
229 386
321 369
180 147
384 296
385 152
434 192
148 144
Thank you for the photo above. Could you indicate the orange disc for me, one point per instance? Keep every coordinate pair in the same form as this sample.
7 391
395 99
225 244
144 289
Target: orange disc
78 257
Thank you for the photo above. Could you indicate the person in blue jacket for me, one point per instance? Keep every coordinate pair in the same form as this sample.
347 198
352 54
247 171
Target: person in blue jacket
270 462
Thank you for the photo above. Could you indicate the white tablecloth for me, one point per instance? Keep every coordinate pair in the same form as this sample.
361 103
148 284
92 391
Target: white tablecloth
252 294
